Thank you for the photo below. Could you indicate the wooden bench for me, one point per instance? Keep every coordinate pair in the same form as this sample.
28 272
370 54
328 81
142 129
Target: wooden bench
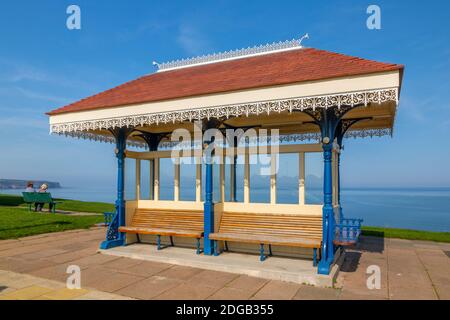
167 222
39 197
271 229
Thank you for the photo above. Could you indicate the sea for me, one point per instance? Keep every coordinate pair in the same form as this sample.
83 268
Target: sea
408 208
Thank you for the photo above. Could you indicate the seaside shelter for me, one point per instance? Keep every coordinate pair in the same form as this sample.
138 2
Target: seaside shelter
312 99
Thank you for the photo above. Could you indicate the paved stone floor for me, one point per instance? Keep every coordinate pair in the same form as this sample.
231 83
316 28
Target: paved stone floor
35 268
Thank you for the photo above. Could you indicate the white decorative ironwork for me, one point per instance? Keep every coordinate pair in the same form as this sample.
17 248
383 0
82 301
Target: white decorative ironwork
102 138
266 107
283 139
364 133
266 140
232 54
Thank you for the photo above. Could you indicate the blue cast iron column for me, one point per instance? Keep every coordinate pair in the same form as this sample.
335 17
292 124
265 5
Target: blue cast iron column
208 206
341 216
327 214
120 202
328 125
115 238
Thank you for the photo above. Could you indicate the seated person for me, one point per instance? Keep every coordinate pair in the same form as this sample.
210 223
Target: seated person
40 206
30 187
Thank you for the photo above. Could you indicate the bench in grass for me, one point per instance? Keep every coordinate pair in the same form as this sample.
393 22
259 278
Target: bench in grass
39 197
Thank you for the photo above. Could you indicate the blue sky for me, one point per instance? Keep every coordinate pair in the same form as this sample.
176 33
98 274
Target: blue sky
43 65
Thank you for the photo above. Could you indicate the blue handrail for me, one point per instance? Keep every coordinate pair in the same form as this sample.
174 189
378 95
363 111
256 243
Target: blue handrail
348 231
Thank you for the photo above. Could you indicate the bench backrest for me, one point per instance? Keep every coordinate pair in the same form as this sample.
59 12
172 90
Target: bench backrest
287 225
37 197
189 220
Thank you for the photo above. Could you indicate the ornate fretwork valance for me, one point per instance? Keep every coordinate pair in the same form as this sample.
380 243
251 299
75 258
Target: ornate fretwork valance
283 139
80 128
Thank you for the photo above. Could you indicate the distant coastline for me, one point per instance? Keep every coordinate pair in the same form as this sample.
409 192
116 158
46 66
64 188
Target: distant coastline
14 184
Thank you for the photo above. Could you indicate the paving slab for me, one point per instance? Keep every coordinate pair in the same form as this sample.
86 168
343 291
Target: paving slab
65 294
277 290
179 272
228 293
275 268
187 292
24 266
409 270
27 293
98 295
40 254
351 295
71 256
29 287
56 272
149 288
147 268
92 260
106 280
121 264
247 283
215 279
316 293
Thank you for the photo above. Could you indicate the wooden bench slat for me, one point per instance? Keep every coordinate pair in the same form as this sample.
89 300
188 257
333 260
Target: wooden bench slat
162 232
275 229
166 222
299 242
292 217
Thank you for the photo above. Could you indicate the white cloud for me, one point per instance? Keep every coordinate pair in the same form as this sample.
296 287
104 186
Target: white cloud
192 41
23 122
20 92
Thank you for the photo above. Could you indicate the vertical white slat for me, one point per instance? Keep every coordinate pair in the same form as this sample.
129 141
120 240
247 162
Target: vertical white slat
301 178
156 173
198 180
176 186
247 176
273 178
152 181
222 177
138 179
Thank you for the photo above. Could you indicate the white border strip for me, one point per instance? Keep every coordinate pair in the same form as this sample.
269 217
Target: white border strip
302 103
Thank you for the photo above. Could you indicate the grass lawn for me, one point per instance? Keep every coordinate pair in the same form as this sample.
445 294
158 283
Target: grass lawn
16 221
406 234
66 205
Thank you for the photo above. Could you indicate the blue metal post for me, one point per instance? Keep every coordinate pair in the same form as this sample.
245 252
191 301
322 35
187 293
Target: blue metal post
329 122
198 246
341 216
115 238
208 245
262 256
158 242
328 215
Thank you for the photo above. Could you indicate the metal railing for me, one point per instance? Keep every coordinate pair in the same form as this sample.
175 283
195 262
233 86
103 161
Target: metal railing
348 231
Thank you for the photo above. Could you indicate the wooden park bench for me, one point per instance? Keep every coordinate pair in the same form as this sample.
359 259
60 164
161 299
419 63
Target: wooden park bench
270 229
167 222
39 197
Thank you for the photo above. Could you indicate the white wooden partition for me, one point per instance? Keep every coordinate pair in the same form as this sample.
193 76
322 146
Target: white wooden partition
246 205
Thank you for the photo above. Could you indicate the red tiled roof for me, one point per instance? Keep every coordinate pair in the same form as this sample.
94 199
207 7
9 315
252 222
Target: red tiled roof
245 73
